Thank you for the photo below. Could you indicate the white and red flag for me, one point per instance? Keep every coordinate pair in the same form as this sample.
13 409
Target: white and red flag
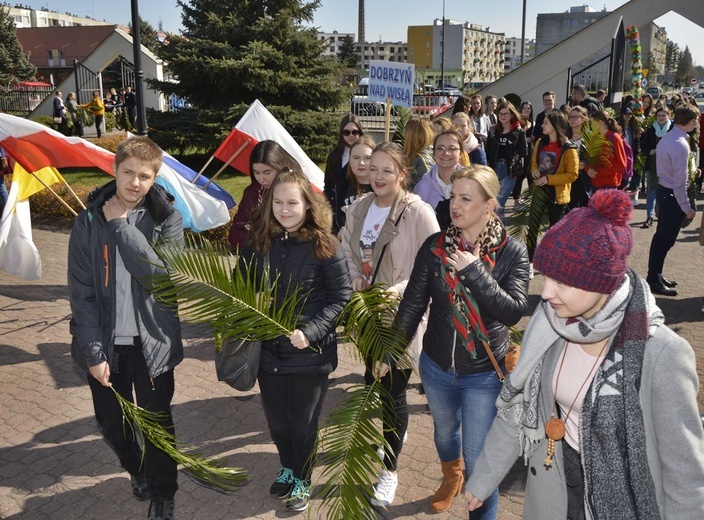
257 124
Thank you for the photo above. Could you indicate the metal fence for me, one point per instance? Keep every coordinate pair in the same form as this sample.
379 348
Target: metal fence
22 102
371 113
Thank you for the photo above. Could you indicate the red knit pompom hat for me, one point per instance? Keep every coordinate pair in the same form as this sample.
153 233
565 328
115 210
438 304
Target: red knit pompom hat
589 247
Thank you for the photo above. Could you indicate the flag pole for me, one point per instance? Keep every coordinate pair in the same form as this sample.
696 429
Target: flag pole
202 169
62 201
234 156
80 202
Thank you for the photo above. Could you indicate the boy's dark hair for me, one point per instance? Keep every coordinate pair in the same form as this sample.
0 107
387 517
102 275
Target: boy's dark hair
141 148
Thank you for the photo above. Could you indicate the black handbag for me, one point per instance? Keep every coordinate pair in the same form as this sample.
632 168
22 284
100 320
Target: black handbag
237 363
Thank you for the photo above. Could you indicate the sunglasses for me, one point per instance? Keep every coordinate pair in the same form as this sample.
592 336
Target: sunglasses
348 133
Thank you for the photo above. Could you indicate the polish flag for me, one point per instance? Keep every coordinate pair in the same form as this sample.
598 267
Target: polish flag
35 146
257 124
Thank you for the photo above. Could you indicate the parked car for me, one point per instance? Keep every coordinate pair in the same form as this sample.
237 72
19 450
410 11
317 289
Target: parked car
451 93
361 105
654 91
430 105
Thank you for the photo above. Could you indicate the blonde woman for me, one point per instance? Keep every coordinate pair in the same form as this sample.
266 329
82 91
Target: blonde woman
477 279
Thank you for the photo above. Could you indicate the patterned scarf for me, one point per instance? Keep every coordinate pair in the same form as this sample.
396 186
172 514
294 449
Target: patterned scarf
618 483
465 310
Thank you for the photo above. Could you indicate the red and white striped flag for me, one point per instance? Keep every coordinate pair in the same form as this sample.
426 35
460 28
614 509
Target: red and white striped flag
257 124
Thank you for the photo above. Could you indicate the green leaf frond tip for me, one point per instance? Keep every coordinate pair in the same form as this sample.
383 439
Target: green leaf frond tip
212 473
596 149
367 322
347 449
527 220
237 298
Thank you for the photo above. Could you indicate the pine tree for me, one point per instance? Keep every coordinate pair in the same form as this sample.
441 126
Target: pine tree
236 51
14 62
684 67
349 57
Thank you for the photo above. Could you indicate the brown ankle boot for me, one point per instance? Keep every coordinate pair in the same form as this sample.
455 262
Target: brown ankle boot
451 486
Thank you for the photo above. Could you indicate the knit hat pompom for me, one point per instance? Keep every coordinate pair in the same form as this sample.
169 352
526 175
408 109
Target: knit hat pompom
614 205
589 247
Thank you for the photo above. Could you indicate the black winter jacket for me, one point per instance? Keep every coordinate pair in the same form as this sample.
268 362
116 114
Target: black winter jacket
91 281
328 287
502 296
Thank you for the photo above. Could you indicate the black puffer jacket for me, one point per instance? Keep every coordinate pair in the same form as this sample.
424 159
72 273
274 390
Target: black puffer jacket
502 296
328 288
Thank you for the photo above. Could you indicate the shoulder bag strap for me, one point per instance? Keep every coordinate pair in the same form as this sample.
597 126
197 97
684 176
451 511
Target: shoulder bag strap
383 249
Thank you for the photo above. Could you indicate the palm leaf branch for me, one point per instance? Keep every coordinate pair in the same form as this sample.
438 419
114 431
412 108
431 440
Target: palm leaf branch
367 323
527 220
211 286
212 473
348 443
596 150
351 433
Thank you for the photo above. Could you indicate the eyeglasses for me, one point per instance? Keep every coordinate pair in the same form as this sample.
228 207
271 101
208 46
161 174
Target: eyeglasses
573 117
449 149
505 114
348 133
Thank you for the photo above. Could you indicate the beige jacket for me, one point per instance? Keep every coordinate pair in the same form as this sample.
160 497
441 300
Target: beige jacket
417 223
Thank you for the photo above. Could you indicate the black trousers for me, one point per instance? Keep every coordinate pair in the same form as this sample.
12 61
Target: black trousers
574 477
132 374
555 213
98 124
292 405
393 400
669 224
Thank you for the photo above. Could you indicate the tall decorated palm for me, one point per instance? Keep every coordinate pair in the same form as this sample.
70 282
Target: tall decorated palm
210 286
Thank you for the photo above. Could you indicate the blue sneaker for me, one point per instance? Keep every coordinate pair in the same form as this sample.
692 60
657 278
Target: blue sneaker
300 496
282 486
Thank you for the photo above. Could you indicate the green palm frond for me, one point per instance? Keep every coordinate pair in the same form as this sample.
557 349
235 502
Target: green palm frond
347 447
210 286
212 473
527 219
347 440
648 122
596 149
367 323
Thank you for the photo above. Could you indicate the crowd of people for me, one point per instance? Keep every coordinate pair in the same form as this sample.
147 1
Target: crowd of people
66 115
602 404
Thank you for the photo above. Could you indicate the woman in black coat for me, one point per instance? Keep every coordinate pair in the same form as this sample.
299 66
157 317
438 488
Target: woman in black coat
477 279
291 233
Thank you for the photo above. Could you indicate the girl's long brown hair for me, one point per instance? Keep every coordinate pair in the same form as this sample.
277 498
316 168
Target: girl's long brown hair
317 224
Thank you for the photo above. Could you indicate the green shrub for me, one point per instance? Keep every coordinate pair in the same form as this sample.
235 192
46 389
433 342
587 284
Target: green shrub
47 121
110 142
109 122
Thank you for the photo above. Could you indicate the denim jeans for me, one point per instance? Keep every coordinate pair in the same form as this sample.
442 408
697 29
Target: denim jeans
507 183
463 408
650 200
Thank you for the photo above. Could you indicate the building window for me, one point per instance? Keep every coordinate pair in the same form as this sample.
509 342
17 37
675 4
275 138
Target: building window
50 57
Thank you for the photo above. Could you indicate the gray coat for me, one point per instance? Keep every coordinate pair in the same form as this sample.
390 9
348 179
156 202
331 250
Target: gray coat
91 281
673 432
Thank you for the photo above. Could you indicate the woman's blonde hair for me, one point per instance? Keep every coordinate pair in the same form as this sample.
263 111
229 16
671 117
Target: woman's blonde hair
418 135
317 223
484 176
463 115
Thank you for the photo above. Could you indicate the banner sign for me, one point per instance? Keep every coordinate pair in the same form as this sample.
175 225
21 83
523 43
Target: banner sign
391 80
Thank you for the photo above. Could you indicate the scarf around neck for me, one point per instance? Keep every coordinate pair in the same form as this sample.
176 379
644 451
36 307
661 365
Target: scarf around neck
465 309
618 483
661 131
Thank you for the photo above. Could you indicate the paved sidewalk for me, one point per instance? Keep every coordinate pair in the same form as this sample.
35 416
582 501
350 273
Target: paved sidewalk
54 465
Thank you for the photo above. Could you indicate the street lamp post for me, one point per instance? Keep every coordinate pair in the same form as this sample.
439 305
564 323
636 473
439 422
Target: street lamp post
523 35
442 50
138 72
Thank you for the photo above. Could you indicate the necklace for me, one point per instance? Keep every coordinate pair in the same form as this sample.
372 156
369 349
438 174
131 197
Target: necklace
555 428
